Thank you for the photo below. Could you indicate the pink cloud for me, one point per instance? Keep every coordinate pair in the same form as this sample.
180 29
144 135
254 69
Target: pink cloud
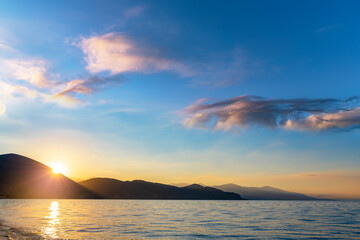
340 119
64 100
28 77
8 90
30 70
117 54
250 111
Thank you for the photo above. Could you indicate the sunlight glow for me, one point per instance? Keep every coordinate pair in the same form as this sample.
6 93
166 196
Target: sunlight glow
58 168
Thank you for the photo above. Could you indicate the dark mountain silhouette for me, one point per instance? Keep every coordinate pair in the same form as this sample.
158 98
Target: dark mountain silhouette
138 189
263 193
22 177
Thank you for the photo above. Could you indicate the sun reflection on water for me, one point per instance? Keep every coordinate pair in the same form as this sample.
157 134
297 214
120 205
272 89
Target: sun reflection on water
53 226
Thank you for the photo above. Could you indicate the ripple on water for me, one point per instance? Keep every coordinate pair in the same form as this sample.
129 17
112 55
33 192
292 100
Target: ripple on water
149 219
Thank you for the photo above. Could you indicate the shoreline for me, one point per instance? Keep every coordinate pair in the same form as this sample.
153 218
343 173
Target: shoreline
12 233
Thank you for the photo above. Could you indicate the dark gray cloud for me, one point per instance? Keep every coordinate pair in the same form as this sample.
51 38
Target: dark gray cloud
248 111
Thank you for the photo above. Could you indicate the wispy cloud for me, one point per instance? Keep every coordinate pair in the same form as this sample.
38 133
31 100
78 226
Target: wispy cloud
249 111
223 72
63 100
6 47
2 109
326 28
31 70
8 90
23 76
116 53
64 94
134 11
19 68
89 85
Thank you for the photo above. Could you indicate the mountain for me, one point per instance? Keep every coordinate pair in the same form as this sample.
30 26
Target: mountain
22 177
138 189
263 193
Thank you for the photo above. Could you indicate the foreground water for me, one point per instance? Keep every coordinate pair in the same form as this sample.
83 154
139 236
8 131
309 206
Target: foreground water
151 219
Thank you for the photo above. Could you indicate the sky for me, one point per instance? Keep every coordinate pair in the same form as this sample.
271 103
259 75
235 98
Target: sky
256 93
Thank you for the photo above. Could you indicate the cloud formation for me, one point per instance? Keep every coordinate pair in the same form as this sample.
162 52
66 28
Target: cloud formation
30 70
116 53
28 77
249 111
88 85
8 90
65 94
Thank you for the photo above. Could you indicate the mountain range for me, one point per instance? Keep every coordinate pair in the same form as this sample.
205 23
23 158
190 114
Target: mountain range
22 177
138 189
263 193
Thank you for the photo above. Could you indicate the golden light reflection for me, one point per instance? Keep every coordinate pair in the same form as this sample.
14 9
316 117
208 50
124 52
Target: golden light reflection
53 226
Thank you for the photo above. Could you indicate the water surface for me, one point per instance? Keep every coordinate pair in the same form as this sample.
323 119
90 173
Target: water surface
172 219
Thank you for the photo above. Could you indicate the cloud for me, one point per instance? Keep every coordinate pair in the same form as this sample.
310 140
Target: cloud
249 111
2 109
326 28
89 85
31 70
23 76
64 94
5 47
64 100
342 119
8 90
134 12
27 77
116 53
224 71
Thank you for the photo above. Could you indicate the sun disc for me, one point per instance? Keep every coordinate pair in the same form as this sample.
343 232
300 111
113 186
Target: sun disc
58 168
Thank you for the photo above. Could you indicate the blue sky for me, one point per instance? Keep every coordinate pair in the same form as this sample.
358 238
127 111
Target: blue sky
250 92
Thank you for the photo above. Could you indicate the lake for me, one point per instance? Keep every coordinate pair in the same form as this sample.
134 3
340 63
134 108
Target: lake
178 219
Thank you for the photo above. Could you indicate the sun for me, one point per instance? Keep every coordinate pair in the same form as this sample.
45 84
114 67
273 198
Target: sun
58 168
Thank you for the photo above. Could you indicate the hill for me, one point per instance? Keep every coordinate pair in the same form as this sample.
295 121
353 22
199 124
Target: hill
22 177
263 193
138 189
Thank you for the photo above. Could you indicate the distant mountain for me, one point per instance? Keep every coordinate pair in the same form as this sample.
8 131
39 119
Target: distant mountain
180 184
22 177
138 189
263 193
